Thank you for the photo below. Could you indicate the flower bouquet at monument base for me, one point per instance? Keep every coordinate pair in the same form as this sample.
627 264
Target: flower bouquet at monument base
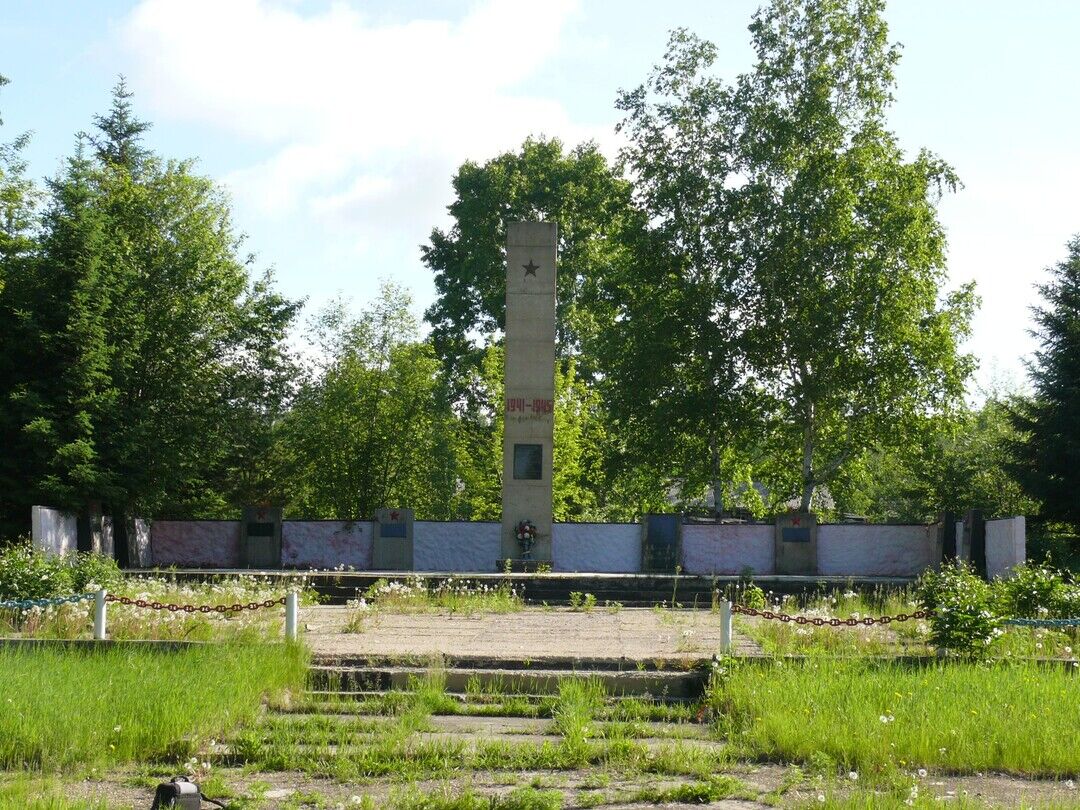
526 537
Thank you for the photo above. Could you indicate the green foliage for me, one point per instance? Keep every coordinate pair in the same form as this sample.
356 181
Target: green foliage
714 789
1049 540
371 426
520 798
574 715
1035 591
577 189
582 602
35 792
1047 456
948 462
130 622
141 364
964 619
751 595
801 281
17 199
29 573
415 595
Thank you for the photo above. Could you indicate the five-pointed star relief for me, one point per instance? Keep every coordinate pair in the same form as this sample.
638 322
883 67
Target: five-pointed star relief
530 268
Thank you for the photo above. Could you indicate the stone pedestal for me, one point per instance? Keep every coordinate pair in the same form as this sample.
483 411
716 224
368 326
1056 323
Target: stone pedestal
796 544
260 537
393 542
529 392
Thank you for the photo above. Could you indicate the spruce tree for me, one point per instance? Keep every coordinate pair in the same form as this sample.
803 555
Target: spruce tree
120 132
1048 460
145 365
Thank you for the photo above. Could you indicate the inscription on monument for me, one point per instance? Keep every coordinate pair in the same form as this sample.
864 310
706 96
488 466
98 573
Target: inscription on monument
534 406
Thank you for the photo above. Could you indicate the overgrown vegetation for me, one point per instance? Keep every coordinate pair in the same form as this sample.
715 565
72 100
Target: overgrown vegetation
72 708
32 574
962 619
417 595
968 612
26 573
967 617
877 718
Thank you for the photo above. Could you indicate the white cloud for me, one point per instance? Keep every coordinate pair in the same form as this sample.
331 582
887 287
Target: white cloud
358 117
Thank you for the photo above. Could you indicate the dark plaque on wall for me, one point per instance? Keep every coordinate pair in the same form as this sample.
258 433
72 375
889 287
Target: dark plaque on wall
528 462
660 543
795 535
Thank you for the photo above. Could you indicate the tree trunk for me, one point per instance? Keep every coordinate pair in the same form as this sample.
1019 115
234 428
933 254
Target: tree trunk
808 461
717 484
121 539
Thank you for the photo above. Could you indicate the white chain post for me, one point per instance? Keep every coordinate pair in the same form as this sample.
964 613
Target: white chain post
99 615
292 610
725 626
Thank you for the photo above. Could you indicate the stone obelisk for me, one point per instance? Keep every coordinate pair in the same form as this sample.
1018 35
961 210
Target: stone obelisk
529 391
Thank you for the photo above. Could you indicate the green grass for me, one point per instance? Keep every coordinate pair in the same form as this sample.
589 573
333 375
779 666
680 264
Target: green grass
22 792
126 622
574 713
899 638
416 595
384 745
878 718
780 638
706 791
522 798
68 709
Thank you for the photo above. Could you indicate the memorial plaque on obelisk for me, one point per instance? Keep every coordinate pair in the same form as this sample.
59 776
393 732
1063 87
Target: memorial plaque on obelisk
529 391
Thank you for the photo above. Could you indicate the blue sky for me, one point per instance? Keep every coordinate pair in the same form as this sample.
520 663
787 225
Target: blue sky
336 127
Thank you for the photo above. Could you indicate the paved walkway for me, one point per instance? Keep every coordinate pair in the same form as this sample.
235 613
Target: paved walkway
636 634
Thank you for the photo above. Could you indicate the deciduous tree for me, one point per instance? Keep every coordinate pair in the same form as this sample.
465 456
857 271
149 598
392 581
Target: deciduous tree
371 426
817 238
578 189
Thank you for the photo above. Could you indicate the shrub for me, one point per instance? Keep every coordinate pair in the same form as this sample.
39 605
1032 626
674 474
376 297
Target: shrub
26 573
1036 592
29 573
963 619
752 596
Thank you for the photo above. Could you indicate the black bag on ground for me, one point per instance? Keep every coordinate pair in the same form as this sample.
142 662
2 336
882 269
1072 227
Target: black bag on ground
179 793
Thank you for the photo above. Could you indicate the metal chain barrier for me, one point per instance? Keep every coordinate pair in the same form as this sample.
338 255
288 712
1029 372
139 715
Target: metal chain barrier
817 621
1044 622
27 604
172 608
291 601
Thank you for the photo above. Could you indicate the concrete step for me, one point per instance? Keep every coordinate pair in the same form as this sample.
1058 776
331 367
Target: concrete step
582 666
672 685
